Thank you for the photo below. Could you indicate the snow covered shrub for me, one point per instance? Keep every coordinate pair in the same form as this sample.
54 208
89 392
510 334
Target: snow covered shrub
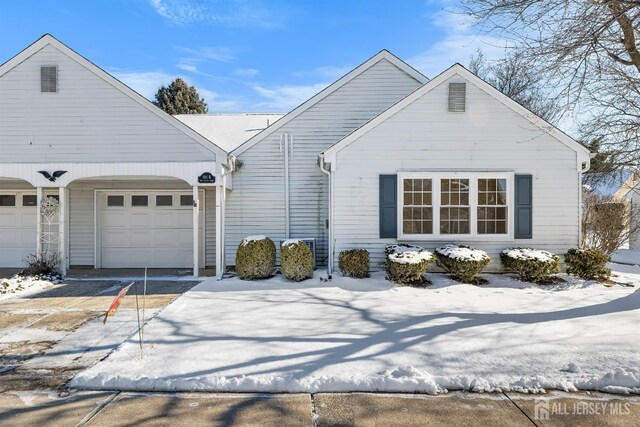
463 262
531 265
406 264
296 260
256 258
588 264
354 263
45 264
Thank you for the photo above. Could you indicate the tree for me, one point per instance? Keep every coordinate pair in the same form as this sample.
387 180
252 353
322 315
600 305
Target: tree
511 76
180 98
587 54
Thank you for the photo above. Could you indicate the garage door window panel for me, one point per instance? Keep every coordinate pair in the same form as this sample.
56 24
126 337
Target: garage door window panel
7 200
115 201
164 200
29 200
139 201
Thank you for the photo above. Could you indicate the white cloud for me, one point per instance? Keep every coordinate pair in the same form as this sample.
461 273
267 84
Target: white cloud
146 83
285 98
208 54
247 72
233 13
220 104
461 40
187 67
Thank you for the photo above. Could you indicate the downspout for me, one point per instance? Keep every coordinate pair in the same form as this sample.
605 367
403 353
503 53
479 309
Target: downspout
584 167
328 173
287 226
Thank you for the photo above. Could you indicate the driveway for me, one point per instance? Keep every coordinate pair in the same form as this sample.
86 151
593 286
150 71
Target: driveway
46 338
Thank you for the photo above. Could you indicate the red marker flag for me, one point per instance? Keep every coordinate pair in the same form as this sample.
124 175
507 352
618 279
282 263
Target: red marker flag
116 303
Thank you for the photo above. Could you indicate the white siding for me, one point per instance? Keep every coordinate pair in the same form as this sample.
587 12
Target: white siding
88 120
634 239
81 215
487 136
257 203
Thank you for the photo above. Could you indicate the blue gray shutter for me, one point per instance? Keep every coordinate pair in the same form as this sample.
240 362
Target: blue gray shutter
523 227
388 206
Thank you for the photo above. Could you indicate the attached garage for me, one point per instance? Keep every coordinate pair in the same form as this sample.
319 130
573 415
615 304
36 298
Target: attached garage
17 227
147 228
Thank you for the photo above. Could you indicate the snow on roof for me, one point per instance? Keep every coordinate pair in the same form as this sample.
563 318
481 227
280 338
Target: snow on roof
228 131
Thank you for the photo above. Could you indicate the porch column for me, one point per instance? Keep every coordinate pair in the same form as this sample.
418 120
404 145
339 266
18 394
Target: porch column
62 229
39 198
196 233
220 195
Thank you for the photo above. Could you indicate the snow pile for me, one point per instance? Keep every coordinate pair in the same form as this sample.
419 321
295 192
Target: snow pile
19 285
462 253
291 242
528 254
250 239
407 254
369 335
626 256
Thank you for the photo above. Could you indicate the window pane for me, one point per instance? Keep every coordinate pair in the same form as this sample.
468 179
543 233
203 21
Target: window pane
408 185
29 200
164 200
407 213
186 200
492 209
7 200
139 200
115 200
416 219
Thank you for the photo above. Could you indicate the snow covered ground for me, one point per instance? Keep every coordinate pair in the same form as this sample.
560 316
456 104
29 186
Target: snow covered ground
20 286
369 335
627 256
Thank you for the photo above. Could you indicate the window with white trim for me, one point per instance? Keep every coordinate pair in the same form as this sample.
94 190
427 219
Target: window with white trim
443 205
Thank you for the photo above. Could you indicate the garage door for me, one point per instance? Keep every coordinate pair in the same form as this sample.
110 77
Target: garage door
148 229
17 227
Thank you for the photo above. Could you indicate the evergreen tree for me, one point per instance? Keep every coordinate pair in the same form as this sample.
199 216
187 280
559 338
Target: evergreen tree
180 98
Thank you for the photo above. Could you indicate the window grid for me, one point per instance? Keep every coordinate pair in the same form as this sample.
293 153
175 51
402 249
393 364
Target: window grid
492 206
417 209
454 206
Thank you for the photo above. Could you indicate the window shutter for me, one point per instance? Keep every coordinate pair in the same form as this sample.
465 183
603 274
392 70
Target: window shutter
49 79
523 207
457 97
388 206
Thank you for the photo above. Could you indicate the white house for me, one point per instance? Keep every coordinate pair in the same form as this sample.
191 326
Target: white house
630 191
381 155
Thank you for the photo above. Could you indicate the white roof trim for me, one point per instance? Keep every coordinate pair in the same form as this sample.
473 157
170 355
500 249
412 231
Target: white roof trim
383 54
632 183
458 69
48 39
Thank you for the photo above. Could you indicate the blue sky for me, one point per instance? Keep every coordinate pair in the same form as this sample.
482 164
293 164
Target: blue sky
245 55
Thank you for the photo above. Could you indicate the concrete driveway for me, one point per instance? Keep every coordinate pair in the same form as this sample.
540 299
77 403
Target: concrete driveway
47 337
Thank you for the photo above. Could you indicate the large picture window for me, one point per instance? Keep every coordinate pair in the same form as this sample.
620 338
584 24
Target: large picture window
441 205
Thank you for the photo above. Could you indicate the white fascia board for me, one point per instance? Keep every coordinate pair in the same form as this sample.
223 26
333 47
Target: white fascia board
384 54
457 69
48 39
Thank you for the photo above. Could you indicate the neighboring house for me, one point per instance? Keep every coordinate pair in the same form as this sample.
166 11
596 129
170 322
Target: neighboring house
380 156
630 190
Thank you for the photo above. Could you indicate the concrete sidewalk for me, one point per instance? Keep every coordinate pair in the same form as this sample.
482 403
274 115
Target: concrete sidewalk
322 409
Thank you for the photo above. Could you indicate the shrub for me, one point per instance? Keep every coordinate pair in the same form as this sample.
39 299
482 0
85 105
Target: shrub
45 264
354 263
531 265
296 260
588 264
406 264
256 258
463 262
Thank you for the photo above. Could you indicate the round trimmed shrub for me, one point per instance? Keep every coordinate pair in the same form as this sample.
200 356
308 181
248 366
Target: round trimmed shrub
588 264
531 265
464 263
296 260
406 264
256 258
354 263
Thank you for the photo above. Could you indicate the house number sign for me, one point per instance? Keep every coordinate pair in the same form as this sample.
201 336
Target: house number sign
207 178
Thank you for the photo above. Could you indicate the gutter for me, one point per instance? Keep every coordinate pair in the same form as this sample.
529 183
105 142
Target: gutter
227 169
327 172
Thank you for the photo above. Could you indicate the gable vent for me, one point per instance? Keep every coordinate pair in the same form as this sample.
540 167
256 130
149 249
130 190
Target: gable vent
457 97
49 79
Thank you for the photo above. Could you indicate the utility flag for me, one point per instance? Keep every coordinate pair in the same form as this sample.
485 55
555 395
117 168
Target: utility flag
116 303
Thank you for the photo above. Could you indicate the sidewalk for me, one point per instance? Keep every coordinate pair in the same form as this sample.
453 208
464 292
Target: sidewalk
323 409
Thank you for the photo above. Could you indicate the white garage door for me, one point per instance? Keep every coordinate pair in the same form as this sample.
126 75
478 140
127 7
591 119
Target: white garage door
148 229
17 227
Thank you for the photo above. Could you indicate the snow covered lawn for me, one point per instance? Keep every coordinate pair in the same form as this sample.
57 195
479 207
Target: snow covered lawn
369 335
21 285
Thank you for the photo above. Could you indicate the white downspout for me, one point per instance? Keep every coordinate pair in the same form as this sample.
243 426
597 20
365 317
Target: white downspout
328 173
286 186
221 198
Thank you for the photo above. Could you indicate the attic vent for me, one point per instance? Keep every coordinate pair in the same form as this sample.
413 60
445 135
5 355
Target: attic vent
49 79
457 97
